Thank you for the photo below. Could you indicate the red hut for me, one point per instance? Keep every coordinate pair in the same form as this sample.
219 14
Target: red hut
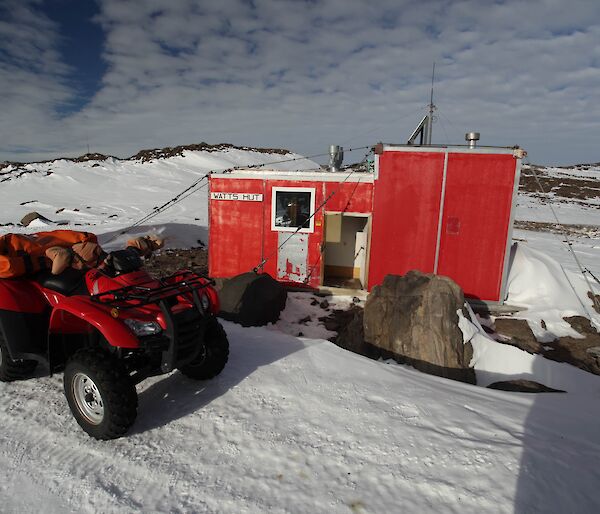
444 210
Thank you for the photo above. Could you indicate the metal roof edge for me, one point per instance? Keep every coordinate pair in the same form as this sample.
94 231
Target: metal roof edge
300 176
451 149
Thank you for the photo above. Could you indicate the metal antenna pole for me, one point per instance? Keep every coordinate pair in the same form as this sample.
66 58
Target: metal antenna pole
431 109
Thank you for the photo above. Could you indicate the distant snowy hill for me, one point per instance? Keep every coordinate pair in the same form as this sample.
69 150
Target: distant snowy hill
104 194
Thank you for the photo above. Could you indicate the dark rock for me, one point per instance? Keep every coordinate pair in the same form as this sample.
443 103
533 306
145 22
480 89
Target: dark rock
581 325
324 304
251 299
578 352
305 320
351 334
314 302
338 318
90 157
414 318
468 357
523 386
164 262
596 299
594 351
165 153
28 218
518 333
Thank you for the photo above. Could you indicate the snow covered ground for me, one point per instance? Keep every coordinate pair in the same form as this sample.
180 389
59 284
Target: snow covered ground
300 425
296 424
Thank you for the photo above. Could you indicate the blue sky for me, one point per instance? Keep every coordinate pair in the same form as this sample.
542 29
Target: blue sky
121 75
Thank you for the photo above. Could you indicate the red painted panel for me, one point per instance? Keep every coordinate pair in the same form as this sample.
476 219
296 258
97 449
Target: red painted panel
271 237
405 214
477 207
235 228
349 197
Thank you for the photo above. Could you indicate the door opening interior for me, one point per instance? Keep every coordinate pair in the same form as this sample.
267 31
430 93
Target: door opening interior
345 250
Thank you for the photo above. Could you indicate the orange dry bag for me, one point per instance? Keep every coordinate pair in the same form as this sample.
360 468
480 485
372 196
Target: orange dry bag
24 254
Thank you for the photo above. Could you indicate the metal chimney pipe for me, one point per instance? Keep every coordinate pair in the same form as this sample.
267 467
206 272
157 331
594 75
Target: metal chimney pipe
336 157
472 138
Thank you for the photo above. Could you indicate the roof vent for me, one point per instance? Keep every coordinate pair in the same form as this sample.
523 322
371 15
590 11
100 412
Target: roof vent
336 156
472 138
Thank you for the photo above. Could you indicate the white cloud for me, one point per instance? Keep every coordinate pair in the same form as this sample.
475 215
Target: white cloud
33 85
302 75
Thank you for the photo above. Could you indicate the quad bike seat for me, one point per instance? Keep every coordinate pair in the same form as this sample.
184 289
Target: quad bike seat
70 282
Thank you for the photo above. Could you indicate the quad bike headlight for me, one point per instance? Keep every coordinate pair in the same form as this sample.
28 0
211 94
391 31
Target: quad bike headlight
143 328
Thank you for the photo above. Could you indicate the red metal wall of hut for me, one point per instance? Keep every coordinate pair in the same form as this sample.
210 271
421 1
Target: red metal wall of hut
440 210
248 222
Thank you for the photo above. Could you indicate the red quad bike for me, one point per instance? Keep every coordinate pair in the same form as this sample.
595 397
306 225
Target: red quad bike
109 329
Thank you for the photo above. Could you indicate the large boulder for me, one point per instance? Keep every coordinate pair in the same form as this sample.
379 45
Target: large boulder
251 299
351 336
414 318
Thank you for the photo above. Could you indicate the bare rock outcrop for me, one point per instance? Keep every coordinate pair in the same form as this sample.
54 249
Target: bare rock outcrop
516 332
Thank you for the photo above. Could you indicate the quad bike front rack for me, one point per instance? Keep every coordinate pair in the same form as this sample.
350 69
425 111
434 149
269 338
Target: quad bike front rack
176 332
138 295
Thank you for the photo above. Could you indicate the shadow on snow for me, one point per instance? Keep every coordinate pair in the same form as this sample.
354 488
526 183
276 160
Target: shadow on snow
177 396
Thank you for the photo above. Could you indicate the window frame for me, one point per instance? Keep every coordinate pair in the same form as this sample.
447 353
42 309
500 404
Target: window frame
311 226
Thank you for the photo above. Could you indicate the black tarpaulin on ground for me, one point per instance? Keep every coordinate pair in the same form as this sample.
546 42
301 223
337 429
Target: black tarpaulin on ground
252 299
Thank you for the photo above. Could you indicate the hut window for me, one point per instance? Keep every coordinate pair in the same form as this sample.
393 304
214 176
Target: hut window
292 208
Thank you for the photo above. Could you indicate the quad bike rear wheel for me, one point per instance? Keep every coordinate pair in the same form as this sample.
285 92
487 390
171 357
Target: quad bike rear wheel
100 394
212 357
13 370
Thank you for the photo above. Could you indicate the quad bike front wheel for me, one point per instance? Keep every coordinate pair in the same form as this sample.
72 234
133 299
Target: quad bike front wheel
13 370
100 394
212 358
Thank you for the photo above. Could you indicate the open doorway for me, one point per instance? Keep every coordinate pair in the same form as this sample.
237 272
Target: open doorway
345 250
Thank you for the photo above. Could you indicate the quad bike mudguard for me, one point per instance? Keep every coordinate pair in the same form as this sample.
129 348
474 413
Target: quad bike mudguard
114 331
25 334
21 296
23 319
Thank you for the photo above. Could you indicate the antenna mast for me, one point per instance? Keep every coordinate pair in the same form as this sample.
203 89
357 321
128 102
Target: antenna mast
431 109
425 126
